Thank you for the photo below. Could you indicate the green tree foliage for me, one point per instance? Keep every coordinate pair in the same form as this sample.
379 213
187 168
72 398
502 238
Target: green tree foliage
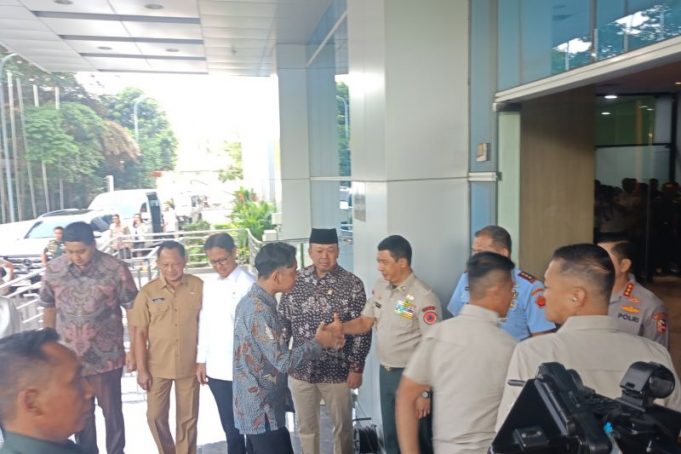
48 140
68 139
157 142
235 171
250 213
343 128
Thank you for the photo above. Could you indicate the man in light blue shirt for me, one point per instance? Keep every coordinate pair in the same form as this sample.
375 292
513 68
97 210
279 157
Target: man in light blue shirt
526 315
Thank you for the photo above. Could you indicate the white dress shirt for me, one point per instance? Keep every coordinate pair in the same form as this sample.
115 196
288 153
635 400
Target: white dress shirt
216 321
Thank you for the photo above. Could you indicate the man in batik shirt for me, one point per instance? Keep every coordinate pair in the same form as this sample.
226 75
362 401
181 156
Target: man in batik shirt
82 294
262 358
322 289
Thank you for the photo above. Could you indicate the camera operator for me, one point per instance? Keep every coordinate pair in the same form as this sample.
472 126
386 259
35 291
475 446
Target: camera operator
578 283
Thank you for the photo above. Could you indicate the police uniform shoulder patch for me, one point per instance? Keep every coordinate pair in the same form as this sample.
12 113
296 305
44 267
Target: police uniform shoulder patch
540 301
661 319
537 290
527 276
430 317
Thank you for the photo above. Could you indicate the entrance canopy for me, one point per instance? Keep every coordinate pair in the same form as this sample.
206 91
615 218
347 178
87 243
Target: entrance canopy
156 36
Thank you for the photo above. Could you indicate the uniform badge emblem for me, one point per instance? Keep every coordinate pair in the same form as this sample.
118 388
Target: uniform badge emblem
406 307
661 319
158 300
628 289
430 317
540 301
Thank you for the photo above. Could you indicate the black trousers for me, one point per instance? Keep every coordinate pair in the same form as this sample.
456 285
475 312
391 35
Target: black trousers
271 442
222 392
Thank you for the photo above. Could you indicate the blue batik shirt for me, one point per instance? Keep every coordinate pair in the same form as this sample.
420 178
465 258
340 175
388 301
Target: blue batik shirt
526 314
262 361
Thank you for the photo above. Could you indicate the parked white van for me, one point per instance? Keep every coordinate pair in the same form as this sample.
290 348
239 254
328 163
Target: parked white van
128 202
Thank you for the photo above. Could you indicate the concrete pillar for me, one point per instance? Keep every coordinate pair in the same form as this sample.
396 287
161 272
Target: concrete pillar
294 160
409 109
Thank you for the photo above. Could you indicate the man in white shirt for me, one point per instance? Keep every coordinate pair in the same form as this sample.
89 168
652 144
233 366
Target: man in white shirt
215 351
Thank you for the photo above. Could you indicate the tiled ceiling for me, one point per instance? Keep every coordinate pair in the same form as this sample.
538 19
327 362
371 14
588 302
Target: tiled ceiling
168 36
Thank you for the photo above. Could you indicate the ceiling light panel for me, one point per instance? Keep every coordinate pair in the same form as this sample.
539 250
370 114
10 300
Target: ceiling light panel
171 8
78 6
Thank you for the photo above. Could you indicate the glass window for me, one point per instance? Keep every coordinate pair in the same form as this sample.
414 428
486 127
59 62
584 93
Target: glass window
539 38
627 120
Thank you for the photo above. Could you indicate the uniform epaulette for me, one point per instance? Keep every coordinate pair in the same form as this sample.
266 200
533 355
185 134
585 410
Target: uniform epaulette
628 289
527 276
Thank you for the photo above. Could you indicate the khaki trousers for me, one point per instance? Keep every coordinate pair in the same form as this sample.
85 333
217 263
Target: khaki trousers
187 414
307 398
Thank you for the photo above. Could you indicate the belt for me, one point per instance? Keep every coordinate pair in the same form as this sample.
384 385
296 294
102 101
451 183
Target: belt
390 369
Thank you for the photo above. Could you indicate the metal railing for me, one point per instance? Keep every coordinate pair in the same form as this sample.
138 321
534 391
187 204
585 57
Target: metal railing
23 291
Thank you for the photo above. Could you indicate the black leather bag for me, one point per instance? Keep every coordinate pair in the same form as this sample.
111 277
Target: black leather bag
365 437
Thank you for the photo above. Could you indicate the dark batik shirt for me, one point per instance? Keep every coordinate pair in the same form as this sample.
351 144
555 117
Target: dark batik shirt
262 360
88 304
312 301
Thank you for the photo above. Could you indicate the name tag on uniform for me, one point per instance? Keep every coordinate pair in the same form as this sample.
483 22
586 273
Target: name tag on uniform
406 307
158 300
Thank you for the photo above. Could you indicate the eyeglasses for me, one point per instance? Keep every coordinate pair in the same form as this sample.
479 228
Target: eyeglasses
219 262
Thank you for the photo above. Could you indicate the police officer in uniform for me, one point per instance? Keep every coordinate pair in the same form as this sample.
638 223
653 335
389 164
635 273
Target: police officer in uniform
526 315
637 310
578 284
402 308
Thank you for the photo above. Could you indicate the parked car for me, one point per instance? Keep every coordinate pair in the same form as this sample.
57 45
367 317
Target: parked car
25 253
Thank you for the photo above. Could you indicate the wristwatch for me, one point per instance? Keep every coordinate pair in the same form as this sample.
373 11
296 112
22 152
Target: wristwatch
426 394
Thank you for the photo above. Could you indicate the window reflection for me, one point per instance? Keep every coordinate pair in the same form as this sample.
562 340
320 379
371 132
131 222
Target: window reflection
539 38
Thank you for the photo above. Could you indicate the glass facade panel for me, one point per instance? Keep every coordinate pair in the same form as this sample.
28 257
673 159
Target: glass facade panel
540 38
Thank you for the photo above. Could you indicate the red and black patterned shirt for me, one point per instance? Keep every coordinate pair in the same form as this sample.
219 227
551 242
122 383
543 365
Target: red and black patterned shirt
312 301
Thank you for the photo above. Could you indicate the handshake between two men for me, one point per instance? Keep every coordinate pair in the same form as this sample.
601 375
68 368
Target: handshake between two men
330 335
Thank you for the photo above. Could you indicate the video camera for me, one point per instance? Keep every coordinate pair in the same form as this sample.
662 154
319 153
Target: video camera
556 413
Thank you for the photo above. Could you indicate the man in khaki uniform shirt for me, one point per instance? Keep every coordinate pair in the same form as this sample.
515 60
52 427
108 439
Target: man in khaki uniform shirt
464 361
578 284
166 313
403 308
